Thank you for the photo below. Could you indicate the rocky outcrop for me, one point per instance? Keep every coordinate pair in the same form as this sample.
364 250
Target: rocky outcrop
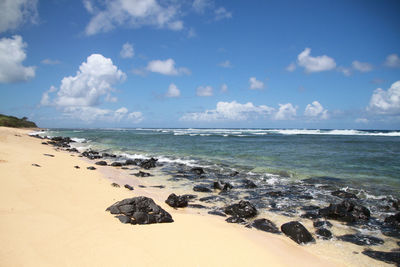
221 185
361 240
388 257
140 210
91 154
177 201
393 220
197 170
297 232
324 233
148 163
243 209
347 211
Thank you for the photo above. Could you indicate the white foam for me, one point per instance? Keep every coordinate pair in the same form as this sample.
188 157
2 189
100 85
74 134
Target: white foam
37 133
79 140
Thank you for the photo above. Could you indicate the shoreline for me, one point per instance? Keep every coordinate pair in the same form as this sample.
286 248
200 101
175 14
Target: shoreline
55 214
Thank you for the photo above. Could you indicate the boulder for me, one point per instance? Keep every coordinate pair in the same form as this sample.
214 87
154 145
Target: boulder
248 184
142 174
200 188
197 170
197 206
243 209
91 154
177 201
319 224
234 219
148 163
91 168
297 232
388 257
217 213
361 240
347 211
130 162
220 185
140 210
393 220
343 194
128 187
324 233
101 163
116 164
266 226
115 185
107 155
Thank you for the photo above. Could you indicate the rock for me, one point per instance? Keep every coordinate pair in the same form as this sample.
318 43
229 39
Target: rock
200 188
361 240
91 154
91 168
324 233
218 213
77 167
107 155
347 211
234 219
388 257
319 224
142 186
243 209
176 201
222 186
72 150
142 174
393 220
49 155
35 165
123 218
189 196
44 143
141 210
148 163
158 186
266 226
197 170
310 215
248 184
128 187
116 164
275 194
343 194
115 185
310 207
197 206
209 199
124 168
131 162
297 232
233 174
101 163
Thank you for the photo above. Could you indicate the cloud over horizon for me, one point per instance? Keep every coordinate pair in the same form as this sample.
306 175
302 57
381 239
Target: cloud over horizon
315 64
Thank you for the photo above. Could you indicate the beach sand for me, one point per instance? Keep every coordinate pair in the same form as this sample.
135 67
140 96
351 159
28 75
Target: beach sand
54 215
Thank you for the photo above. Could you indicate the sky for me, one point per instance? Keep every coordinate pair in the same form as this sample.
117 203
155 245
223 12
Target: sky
319 64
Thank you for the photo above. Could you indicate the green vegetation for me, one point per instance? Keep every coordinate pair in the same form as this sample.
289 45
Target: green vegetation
10 121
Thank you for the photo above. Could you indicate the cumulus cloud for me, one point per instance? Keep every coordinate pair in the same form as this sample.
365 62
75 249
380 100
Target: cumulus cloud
127 51
13 13
201 5
315 64
255 84
225 64
222 13
362 66
166 67
386 102
392 61
231 111
173 91
285 112
90 114
224 88
204 91
136 13
12 54
316 111
291 67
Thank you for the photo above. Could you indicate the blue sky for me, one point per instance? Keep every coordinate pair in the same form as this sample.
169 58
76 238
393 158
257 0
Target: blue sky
201 63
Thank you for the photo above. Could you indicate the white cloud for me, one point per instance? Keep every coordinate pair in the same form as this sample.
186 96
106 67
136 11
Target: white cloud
127 51
166 67
392 61
291 67
48 61
285 112
91 114
135 117
132 13
345 71
315 64
255 84
232 111
224 88
316 111
362 66
222 13
201 5
173 91
12 54
13 13
386 102
204 91
45 101
225 64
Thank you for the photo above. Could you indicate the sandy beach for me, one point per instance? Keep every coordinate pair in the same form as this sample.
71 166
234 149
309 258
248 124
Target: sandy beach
54 215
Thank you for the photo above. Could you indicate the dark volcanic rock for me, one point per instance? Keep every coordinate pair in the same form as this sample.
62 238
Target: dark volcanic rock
388 257
275 194
221 185
310 215
189 196
130 162
200 188
148 163
91 168
343 194
297 232
176 201
91 154
77 167
265 225
49 155
319 224
128 187
347 211
197 206
107 155
101 163
158 186
361 240
234 219
35 165
123 218
248 184
141 210
142 174
310 207
116 164
217 213
197 170
209 198
72 150
243 209
393 220
115 185
44 143
324 233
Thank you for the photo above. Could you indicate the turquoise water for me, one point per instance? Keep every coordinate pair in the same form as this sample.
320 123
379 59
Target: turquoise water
369 159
